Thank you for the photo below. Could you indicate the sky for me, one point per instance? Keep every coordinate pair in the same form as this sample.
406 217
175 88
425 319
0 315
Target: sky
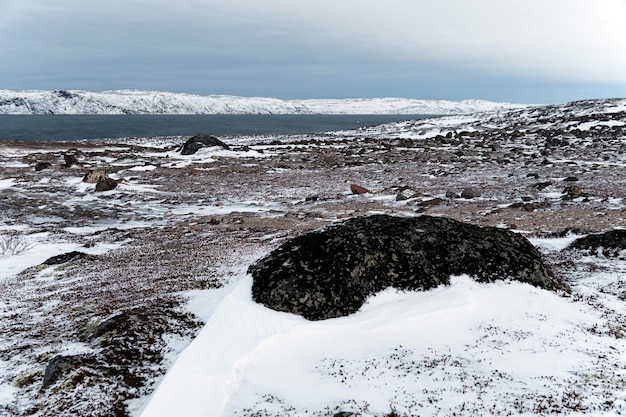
531 51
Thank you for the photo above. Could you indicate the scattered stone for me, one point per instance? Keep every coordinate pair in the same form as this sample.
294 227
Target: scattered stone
121 323
530 206
106 185
70 159
65 257
532 175
95 176
40 166
471 192
611 242
331 272
573 191
542 185
401 197
357 189
344 414
195 143
431 202
452 194
570 179
61 365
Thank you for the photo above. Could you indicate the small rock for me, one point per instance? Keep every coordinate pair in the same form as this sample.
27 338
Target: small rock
70 160
40 166
471 192
61 365
401 197
451 194
95 176
573 191
542 185
431 202
570 179
357 189
106 185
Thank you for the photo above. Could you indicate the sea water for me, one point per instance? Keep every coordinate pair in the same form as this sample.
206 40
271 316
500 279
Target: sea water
78 127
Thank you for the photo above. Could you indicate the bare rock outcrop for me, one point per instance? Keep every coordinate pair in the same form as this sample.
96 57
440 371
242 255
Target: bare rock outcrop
331 272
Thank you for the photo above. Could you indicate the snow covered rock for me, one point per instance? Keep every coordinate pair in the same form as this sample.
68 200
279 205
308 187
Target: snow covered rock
611 242
95 176
330 273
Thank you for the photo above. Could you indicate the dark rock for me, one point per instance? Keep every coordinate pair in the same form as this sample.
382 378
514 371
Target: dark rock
70 159
195 143
331 272
401 197
530 206
542 185
573 191
451 194
61 365
95 176
344 414
611 242
471 192
357 189
122 323
40 166
431 202
65 257
106 185
570 179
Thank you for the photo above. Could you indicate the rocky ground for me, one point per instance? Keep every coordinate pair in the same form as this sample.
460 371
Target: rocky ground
90 334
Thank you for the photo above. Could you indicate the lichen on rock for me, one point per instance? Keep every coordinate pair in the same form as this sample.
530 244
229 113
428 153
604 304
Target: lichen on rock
331 272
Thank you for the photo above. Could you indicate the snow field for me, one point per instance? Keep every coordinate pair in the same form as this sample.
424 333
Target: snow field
490 348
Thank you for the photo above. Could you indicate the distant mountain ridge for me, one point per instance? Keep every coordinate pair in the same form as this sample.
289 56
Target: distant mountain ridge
158 102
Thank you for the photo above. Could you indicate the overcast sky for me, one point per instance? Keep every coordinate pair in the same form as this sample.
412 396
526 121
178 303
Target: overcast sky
533 51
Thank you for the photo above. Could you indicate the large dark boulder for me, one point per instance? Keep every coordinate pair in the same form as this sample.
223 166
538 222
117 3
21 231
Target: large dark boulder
331 272
611 242
65 258
195 143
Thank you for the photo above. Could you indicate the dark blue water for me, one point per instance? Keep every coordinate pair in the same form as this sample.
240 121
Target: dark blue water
77 127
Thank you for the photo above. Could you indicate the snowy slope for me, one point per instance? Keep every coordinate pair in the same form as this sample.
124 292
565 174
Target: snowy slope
156 102
466 349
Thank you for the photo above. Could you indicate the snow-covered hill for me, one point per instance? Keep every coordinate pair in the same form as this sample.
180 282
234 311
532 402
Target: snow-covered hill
156 102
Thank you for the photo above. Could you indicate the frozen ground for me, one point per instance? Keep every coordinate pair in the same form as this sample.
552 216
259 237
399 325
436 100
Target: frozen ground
166 254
